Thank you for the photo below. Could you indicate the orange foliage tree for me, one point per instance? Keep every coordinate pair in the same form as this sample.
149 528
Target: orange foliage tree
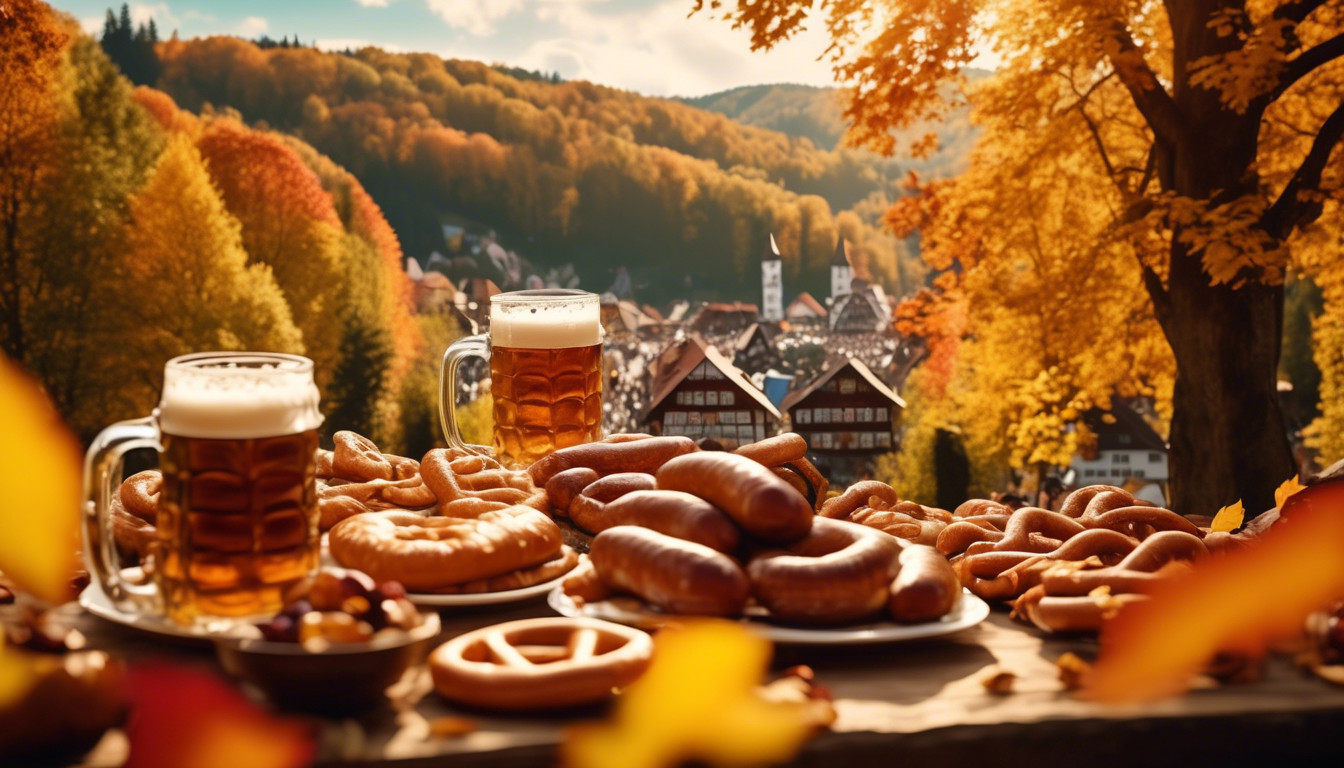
1210 126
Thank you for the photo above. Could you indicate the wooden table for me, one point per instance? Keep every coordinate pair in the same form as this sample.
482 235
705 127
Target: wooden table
896 704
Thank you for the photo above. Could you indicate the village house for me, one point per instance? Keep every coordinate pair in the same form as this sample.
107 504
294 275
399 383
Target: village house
805 310
697 392
754 349
848 416
1128 453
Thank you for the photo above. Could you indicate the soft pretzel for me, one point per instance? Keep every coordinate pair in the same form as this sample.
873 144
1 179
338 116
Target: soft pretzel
411 493
357 458
908 520
981 507
430 553
865 493
1001 575
1031 529
1075 504
453 473
139 494
540 663
840 571
132 534
1140 520
563 562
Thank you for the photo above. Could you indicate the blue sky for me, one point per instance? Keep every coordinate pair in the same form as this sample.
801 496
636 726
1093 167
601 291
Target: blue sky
644 45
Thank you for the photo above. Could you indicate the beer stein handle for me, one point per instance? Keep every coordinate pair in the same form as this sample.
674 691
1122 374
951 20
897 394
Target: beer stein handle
102 478
471 346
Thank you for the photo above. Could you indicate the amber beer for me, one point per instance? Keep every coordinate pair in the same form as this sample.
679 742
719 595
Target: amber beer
237 516
545 350
237 520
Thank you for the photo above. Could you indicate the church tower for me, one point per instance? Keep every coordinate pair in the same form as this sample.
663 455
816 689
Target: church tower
772 283
842 274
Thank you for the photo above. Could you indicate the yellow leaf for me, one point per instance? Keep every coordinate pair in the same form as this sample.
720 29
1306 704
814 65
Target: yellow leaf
17 675
1228 518
1288 488
697 702
40 462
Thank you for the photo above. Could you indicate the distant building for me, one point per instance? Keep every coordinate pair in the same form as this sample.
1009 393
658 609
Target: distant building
805 310
842 273
698 393
716 319
623 316
772 283
754 349
864 309
847 415
1127 453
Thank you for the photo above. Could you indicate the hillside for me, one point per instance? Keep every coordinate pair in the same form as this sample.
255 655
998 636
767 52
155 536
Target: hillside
565 173
817 114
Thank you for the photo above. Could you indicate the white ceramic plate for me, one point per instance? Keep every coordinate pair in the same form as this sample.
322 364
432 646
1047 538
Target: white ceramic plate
970 611
430 600
96 602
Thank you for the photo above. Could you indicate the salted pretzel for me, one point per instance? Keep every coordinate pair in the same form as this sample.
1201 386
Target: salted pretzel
1075 597
453 473
357 472
537 664
1000 575
877 505
134 510
432 553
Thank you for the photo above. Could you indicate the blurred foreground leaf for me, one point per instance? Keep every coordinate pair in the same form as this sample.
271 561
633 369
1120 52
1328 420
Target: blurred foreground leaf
40 470
697 702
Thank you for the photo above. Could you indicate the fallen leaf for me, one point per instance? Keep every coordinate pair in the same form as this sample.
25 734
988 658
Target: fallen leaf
697 702
1072 669
1288 488
1229 518
41 461
999 681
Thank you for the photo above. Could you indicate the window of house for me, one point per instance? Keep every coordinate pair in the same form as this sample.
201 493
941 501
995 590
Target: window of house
1138 473
1154 457
882 414
883 439
698 397
804 415
1116 473
846 386
1120 458
727 398
837 415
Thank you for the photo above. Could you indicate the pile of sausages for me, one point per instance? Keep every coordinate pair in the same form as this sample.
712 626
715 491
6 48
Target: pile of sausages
707 533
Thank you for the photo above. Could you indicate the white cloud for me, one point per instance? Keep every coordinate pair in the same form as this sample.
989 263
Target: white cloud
252 26
372 3
662 52
92 25
354 44
476 17
164 19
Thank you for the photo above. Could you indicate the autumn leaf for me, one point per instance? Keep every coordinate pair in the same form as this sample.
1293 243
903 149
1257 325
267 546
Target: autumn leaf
1288 488
186 718
41 462
1239 602
1228 518
696 702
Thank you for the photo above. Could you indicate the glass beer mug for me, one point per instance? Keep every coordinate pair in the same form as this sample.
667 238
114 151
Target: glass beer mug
237 519
545 353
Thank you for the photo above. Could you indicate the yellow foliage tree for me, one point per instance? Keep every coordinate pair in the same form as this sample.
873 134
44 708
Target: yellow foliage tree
183 283
1207 129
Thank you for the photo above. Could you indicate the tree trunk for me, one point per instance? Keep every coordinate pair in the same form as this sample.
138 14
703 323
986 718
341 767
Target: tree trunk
1228 440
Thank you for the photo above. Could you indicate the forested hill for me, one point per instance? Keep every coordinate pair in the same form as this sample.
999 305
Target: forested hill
817 114
566 173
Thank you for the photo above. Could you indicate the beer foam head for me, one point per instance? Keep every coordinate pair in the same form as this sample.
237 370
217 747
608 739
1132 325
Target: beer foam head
545 319
233 396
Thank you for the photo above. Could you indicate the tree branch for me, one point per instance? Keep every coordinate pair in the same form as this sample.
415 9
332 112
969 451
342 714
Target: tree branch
1152 100
1307 62
1290 210
1297 10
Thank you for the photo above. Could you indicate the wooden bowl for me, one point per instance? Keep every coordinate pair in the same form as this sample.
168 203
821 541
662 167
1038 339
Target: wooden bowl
341 679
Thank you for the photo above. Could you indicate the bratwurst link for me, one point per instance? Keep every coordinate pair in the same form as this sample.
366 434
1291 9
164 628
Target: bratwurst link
675 575
840 572
764 505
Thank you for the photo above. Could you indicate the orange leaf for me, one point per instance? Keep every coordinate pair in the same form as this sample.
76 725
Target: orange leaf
1238 602
40 462
1288 488
1228 518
